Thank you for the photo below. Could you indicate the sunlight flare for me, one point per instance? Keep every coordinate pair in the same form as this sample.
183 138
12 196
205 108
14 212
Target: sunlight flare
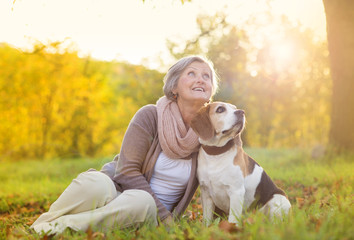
283 52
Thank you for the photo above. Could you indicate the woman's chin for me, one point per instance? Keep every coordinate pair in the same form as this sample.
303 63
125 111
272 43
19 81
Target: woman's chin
201 100
196 99
202 97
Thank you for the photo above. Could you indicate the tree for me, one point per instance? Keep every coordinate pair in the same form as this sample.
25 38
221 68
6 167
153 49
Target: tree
340 35
286 97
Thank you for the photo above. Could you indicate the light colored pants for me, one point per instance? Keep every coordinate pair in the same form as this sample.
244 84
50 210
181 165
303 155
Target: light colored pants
92 200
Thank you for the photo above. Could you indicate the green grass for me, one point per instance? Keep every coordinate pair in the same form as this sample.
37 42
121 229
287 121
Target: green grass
321 193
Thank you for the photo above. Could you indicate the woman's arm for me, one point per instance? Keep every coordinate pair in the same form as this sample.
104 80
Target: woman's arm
137 142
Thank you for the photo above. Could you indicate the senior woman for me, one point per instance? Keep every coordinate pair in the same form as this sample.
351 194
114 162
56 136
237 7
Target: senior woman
154 177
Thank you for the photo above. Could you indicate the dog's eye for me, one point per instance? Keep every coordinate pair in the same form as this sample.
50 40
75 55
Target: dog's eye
220 109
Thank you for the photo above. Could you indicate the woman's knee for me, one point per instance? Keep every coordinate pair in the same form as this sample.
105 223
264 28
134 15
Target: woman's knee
90 190
96 186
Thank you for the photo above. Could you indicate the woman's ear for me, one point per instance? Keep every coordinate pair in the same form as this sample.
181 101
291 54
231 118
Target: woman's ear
201 124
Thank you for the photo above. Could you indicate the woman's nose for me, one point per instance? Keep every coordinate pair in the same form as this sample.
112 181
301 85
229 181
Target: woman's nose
200 78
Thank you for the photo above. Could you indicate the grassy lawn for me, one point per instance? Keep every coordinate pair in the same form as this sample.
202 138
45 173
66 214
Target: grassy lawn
320 191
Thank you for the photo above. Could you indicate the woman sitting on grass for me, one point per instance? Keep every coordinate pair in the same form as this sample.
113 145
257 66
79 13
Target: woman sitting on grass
154 177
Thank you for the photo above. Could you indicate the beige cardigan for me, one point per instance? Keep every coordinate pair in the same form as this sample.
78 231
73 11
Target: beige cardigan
139 151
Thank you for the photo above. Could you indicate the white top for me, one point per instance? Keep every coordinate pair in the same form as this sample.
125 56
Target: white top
170 178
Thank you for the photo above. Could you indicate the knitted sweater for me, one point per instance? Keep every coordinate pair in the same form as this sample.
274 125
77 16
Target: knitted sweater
139 152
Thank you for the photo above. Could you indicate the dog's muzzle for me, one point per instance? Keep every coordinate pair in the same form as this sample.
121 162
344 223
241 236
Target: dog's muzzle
240 114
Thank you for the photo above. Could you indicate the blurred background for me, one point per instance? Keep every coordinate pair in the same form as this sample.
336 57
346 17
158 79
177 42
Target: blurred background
73 73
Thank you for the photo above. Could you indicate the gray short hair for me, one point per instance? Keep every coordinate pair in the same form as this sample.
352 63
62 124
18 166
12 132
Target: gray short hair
173 74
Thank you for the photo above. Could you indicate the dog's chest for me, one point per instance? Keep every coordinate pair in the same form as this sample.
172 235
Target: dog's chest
219 176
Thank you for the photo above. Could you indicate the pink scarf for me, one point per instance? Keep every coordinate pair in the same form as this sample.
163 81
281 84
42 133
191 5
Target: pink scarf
176 141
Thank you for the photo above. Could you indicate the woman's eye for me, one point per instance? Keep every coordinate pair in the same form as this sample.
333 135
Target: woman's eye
206 76
192 74
220 109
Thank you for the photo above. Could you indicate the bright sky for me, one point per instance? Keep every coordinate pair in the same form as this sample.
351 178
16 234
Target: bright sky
131 30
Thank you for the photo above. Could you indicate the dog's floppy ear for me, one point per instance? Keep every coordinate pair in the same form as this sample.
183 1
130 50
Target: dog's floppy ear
201 124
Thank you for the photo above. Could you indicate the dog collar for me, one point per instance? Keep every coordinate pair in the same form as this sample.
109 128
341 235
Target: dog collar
213 150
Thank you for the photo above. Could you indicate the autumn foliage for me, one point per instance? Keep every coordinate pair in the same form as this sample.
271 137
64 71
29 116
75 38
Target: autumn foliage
55 104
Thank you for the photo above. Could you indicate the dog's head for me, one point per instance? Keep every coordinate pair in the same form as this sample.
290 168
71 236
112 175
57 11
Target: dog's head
217 123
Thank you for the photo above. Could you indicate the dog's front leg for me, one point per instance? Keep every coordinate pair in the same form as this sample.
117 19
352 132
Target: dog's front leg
236 205
208 206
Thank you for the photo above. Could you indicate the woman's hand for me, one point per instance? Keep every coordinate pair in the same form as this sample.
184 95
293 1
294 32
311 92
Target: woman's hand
168 222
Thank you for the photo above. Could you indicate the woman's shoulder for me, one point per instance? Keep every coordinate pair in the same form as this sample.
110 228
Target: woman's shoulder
148 110
146 115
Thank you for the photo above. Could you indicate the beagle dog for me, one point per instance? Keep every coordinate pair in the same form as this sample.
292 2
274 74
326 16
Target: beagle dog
230 179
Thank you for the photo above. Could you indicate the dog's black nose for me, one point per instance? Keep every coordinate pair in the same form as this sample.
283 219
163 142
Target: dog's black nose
239 113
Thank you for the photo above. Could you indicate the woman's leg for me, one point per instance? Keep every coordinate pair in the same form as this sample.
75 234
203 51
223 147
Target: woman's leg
90 190
130 208
86 203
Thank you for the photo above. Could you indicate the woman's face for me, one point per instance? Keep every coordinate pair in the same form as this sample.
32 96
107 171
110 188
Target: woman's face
195 83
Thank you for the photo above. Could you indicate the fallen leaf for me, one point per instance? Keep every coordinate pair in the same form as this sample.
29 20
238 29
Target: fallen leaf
228 227
250 220
89 233
99 234
300 202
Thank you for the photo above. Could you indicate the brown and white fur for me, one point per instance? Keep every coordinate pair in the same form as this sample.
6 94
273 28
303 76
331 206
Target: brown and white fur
230 179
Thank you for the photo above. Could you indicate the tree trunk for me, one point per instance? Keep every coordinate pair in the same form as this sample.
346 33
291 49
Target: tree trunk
340 34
